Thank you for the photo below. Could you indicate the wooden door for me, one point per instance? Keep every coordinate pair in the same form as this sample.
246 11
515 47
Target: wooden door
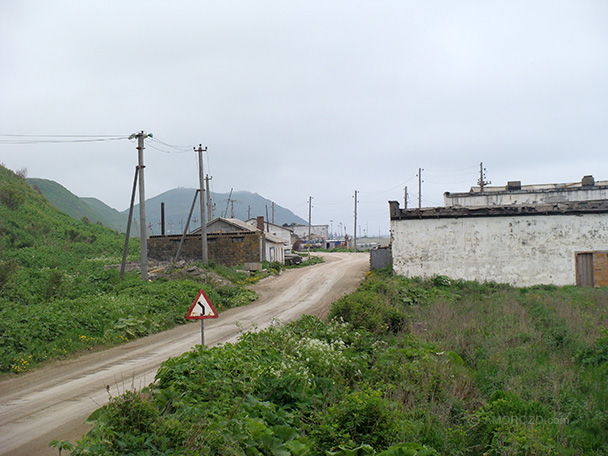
584 269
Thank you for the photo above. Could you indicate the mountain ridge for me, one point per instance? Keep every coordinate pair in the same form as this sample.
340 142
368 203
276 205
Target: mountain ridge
178 201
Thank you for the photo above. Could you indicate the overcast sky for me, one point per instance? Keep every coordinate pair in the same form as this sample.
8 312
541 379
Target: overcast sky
306 98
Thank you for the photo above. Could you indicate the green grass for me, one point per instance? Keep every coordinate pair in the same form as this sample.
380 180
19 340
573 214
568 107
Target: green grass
404 366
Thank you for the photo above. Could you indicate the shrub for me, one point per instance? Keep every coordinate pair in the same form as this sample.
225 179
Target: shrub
361 417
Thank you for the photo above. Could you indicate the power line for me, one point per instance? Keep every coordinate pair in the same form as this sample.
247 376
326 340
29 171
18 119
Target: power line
172 146
152 146
57 139
63 136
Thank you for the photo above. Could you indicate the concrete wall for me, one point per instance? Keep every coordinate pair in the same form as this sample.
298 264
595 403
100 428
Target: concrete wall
521 250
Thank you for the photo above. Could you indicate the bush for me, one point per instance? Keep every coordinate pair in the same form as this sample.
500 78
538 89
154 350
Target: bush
361 417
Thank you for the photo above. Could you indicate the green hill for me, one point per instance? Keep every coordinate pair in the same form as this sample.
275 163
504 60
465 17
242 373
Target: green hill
108 216
92 209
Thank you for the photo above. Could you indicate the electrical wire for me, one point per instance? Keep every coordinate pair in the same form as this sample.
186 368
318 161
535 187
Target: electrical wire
181 149
12 139
151 146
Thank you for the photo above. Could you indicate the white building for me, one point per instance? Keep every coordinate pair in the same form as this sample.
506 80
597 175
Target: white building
317 232
521 244
281 232
515 194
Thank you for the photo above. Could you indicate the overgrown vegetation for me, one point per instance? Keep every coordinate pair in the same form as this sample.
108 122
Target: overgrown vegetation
403 367
57 295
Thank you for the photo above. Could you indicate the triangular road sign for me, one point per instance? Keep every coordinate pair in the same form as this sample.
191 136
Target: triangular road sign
201 308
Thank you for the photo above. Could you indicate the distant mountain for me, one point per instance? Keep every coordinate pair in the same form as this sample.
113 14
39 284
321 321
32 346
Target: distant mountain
177 206
94 210
178 202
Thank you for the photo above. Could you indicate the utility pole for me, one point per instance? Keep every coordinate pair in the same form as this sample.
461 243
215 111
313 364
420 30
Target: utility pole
205 256
248 212
420 188
130 219
309 218
209 205
482 177
355 231
405 197
143 233
273 212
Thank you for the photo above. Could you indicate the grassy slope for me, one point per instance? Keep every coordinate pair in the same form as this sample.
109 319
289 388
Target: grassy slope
56 294
108 216
93 209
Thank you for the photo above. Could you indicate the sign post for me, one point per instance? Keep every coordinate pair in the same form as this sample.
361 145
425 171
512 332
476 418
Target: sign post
201 309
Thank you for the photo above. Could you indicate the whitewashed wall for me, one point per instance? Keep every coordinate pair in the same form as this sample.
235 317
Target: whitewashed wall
526 197
520 250
316 231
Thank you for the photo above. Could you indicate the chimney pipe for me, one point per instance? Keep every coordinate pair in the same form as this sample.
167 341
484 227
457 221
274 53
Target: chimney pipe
260 222
162 219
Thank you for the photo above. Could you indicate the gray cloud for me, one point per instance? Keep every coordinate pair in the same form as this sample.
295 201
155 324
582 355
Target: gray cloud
308 98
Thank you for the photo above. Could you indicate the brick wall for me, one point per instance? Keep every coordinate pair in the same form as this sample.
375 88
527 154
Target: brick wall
228 249
600 269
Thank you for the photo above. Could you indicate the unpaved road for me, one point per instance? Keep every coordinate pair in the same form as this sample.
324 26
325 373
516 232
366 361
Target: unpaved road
53 402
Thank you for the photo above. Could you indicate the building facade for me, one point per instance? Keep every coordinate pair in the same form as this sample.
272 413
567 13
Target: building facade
523 245
588 189
318 233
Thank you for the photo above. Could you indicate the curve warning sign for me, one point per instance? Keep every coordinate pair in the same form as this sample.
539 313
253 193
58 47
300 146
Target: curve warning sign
201 308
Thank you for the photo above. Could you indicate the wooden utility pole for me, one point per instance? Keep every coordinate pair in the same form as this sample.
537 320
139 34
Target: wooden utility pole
143 232
209 205
355 231
420 188
201 182
309 219
128 234
273 212
405 197
482 177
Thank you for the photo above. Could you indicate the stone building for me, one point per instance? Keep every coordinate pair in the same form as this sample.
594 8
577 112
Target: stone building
229 242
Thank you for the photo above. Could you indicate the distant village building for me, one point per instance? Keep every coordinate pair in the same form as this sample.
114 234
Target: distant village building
522 235
229 241
281 232
318 233
273 247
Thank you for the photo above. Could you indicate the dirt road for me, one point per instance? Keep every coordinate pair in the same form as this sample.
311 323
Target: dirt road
53 402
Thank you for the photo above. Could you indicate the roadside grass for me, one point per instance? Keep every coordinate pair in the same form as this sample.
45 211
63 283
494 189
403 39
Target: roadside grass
529 343
404 366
